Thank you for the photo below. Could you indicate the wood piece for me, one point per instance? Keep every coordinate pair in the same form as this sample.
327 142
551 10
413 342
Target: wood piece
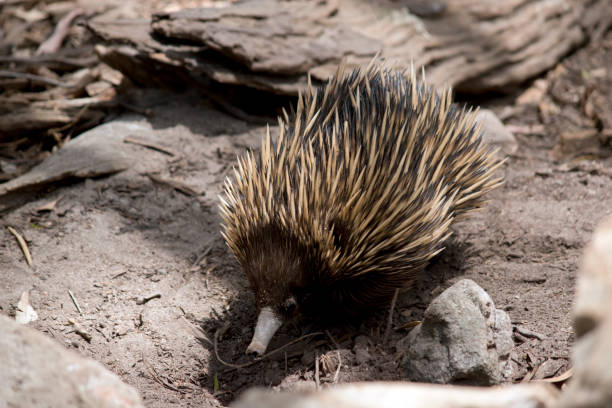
273 45
54 42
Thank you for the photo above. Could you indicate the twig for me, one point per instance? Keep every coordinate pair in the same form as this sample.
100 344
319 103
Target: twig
56 131
34 78
177 185
52 44
156 377
75 302
561 377
118 275
390 318
38 60
196 331
410 324
317 380
78 329
143 300
136 109
531 374
202 256
150 145
286 366
332 339
102 333
51 205
337 373
22 244
262 357
529 333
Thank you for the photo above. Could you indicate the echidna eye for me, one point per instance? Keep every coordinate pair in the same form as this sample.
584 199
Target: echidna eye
290 305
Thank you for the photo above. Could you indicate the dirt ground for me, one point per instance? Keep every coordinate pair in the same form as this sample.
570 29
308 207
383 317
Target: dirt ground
118 239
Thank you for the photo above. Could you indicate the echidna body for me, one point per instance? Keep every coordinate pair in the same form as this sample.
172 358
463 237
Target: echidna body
354 197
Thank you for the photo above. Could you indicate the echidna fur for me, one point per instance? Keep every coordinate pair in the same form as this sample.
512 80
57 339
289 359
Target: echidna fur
356 194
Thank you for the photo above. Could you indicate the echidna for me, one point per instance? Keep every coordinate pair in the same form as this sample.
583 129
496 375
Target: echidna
354 197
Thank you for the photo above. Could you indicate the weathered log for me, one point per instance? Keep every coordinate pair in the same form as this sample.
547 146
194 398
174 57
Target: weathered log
273 45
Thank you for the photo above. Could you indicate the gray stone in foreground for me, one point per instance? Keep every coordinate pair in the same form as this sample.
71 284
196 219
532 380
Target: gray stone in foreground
38 372
396 395
591 384
495 133
463 339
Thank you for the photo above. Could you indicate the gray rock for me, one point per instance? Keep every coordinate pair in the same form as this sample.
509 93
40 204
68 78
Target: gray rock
38 372
463 339
495 133
591 384
97 152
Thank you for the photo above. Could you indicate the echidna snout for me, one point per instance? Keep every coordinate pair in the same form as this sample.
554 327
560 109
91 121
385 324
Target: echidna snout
268 322
354 197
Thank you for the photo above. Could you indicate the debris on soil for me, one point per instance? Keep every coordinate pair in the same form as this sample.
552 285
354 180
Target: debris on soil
25 313
52 85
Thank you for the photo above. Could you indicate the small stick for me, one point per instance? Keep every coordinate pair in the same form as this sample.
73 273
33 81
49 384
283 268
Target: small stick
143 300
529 333
80 330
22 244
52 44
75 302
560 378
202 256
156 377
286 366
118 275
34 78
337 373
390 318
51 60
150 145
177 185
332 339
317 381
51 205
257 360
103 334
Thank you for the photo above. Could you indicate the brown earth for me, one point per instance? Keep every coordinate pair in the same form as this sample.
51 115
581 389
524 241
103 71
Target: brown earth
115 240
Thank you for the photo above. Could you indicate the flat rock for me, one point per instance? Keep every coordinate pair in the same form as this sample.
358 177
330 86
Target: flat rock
97 152
463 339
38 372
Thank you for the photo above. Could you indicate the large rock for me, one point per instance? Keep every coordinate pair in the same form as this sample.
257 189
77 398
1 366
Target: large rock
38 372
591 385
463 339
396 395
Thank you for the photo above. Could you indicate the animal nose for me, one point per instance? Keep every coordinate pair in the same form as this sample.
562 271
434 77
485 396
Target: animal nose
255 349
